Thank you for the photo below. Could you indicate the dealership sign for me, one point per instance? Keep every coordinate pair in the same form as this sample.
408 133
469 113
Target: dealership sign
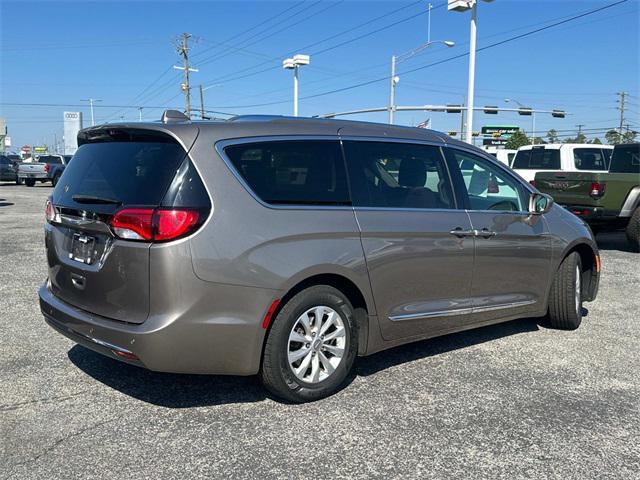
499 131
72 125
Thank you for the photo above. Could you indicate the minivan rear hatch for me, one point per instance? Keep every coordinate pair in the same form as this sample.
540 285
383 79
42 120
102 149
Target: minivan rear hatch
114 168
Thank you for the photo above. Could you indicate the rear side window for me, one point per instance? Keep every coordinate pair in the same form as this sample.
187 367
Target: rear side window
589 159
397 175
626 159
537 158
129 172
296 172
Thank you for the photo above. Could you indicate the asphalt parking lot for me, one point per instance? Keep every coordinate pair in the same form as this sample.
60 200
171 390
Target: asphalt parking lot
509 401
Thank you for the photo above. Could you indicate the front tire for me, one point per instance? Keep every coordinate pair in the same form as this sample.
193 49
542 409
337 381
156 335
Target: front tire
633 230
311 346
565 299
29 182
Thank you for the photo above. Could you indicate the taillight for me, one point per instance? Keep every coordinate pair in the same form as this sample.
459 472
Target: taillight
533 182
174 223
133 223
49 210
154 225
597 189
46 168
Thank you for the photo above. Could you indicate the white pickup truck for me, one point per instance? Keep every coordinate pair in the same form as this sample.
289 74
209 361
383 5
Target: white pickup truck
565 157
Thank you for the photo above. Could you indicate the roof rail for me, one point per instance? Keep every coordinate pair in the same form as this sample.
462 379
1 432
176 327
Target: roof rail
174 116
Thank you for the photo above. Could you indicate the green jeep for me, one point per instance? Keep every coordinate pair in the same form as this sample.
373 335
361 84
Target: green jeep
605 200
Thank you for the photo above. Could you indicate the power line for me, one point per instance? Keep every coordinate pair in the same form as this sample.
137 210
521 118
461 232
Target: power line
230 77
455 57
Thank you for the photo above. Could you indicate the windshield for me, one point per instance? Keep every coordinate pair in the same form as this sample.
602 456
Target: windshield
537 158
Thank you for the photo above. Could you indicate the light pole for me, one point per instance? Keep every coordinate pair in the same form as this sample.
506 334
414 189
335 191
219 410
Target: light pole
294 64
463 6
524 111
202 90
395 59
91 102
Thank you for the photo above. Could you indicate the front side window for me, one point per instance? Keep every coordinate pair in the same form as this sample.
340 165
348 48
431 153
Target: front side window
397 175
589 159
293 172
484 185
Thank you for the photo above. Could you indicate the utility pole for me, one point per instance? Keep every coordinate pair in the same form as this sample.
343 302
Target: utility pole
580 125
392 91
91 102
140 113
621 108
201 103
183 49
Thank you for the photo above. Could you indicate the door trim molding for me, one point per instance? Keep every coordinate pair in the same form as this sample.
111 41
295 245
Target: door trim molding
459 311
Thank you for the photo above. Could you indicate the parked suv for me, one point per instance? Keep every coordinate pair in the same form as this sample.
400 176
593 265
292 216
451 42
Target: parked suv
285 247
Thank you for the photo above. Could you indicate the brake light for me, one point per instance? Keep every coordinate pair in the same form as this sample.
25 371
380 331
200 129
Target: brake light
597 189
49 210
133 223
46 168
153 225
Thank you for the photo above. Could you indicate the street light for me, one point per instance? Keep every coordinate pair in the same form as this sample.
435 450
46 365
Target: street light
294 64
395 59
526 111
463 6
202 90
91 102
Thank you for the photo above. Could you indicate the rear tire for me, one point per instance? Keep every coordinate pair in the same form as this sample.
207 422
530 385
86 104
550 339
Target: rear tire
293 380
29 182
633 230
565 299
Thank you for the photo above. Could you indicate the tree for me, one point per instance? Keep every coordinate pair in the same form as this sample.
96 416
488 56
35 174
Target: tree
517 140
613 137
597 141
552 135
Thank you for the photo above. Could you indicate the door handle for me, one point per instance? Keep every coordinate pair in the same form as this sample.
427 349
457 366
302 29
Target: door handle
485 233
460 233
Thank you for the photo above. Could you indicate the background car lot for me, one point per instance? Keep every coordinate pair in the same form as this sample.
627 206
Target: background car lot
507 401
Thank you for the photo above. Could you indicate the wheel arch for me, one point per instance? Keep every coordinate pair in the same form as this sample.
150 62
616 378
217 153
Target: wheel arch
362 305
590 260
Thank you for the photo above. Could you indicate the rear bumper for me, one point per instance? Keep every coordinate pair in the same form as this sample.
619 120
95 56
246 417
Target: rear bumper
36 176
220 344
593 215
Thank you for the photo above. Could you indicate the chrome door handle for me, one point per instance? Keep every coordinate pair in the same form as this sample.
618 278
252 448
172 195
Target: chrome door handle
460 233
485 233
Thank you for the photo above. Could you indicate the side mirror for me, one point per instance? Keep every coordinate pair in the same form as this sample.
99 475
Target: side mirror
540 203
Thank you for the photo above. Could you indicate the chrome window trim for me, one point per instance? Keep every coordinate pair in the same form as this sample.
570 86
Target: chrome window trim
460 311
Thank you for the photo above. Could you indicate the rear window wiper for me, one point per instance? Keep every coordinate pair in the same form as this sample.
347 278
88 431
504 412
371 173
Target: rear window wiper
94 199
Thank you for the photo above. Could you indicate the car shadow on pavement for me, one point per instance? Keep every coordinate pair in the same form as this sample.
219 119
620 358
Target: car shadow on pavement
426 348
186 391
614 241
167 389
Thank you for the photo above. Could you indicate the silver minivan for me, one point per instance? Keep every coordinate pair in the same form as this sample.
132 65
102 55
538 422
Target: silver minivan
286 247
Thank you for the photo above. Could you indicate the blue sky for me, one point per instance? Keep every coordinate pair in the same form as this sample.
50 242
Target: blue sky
62 52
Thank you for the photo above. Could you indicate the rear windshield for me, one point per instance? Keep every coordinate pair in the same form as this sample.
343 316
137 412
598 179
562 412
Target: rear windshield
589 159
49 159
626 159
133 173
537 158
